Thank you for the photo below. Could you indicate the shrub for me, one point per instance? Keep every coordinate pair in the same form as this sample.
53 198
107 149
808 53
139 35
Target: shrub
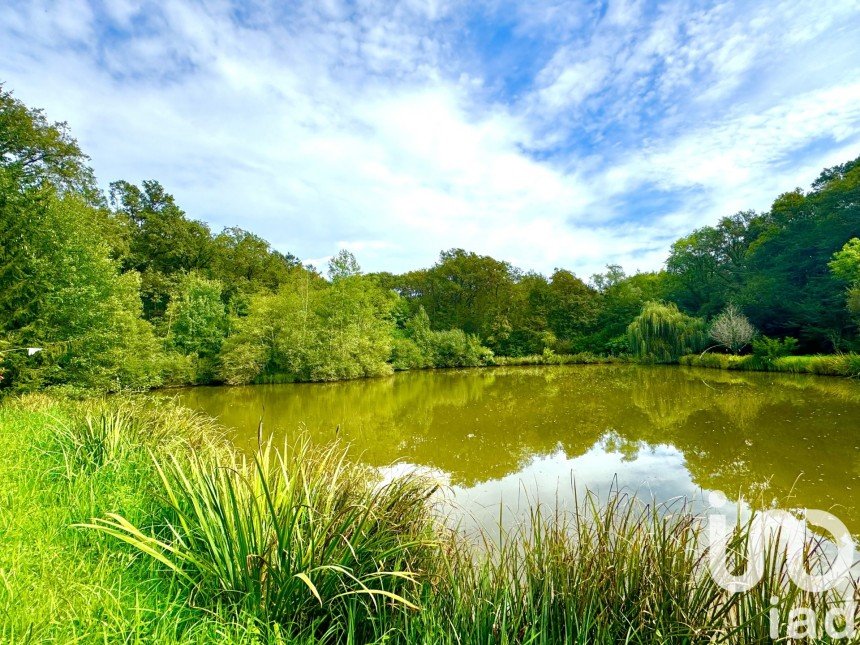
455 348
618 346
177 369
769 349
407 355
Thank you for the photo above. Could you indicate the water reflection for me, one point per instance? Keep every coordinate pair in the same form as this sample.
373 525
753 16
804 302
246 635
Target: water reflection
523 433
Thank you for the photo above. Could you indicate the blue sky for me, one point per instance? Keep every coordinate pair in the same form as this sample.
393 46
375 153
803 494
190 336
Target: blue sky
548 134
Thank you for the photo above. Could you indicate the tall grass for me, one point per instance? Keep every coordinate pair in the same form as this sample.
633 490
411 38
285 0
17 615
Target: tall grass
199 544
824 365
616 570
96 439
306 541
59 583
299 537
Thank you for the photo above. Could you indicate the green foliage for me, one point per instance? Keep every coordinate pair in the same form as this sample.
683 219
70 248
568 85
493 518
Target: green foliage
715 361
847 365
617 571
89 282
455 348
775 264
834 365
707 267
355 331
196 319
663 333
161 240
343 265
60 290
852 303
573 306
621 300
62 584
96 439
769 349
246 264
272 338
244 356
298 537
549 357
312 332
406 355
464 291
423 347
177 368
617 346
36 152
845 264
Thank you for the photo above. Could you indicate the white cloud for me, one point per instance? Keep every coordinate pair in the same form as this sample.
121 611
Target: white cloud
337 127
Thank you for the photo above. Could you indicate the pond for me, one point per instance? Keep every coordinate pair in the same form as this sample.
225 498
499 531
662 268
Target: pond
519 435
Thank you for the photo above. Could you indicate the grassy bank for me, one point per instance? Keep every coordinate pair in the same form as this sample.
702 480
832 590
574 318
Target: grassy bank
192 542
551 358
546 358
823 365
59 583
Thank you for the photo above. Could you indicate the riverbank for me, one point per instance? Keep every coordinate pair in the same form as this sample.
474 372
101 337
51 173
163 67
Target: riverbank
196 544
822 365
846 365
546 358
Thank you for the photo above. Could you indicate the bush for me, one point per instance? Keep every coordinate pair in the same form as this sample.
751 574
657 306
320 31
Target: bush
618 346
407 355
177 369
241 361
769 349
455 348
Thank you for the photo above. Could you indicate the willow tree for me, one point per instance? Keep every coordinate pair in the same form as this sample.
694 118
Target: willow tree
663 333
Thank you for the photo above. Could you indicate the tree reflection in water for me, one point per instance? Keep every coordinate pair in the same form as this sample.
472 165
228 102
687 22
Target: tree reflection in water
527 433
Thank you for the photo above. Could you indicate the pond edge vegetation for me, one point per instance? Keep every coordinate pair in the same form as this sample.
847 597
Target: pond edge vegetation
154 528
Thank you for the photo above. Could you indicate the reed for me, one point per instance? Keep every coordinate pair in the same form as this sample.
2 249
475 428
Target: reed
616 570
300 537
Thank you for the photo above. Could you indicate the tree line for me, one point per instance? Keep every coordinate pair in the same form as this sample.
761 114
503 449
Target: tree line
125 290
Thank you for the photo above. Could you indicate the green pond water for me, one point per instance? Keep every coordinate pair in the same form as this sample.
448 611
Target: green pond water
513 436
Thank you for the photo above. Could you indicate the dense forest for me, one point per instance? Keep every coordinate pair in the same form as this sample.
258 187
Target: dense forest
125 290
